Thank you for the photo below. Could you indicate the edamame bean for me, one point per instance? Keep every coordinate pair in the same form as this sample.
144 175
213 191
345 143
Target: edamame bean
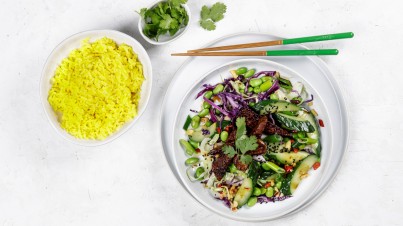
224 135
251 201
269 192
242 90
199 172
218 89
187 146
195 121
206 105
257 191
203 112
257 89
266 85
263 190
250 73
208 123
250 89
266 78
241 70
208 94
192 161
278 184
255 82
269 165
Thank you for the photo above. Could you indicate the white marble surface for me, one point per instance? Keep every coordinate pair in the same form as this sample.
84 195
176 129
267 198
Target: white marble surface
46 181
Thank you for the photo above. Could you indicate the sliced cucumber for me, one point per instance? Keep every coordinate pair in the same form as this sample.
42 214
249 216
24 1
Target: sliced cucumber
273 106
197 135
292 181
296 123
244 192
289 158
315 134
277 147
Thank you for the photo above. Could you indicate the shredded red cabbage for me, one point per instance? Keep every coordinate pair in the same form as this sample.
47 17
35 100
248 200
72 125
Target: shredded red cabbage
309 100
207 87
213 118
216 106
264 199
227 203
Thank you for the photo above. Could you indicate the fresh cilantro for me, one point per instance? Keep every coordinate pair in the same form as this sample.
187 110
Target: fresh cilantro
166 17
241 127
246 159
165 23
228 150
243 143
143 12
217 11
208 25
208 16
246 144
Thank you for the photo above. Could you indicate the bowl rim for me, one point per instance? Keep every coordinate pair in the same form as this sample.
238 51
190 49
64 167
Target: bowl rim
153 42
120 131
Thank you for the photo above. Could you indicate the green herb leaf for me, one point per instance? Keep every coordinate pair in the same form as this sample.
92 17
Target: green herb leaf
229 150
241 127
217 11
166 22
205 13
246 159
143 12
169 16
177 3
208 16
207 24
246 144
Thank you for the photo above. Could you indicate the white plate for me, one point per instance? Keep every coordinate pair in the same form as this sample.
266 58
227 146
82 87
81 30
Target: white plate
328 102
74 42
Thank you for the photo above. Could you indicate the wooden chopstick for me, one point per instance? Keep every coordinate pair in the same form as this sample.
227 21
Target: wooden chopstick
279 42
297 52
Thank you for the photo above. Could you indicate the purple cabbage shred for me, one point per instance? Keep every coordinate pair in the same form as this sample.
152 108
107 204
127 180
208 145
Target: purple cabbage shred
264 199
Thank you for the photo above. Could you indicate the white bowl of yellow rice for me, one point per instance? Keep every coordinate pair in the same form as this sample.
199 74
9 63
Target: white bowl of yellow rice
95 85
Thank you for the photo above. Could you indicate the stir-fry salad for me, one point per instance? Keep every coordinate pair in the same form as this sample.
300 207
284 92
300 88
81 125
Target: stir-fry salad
254 138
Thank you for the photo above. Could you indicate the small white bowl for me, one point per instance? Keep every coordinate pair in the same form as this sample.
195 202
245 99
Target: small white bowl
166 38
62 51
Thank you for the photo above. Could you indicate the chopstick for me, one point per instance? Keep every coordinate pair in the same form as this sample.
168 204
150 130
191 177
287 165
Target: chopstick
280 42
264 53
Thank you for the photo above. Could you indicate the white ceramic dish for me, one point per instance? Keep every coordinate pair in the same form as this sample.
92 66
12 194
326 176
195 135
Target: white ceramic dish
328 102
166 38
74 42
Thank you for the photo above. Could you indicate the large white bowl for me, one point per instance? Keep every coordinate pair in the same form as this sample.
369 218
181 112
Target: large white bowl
62 51
166 38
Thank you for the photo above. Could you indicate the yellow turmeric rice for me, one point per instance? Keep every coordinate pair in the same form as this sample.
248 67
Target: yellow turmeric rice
96 89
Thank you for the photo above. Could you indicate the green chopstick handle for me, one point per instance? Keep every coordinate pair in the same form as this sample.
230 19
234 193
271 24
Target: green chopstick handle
318 38
302 52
